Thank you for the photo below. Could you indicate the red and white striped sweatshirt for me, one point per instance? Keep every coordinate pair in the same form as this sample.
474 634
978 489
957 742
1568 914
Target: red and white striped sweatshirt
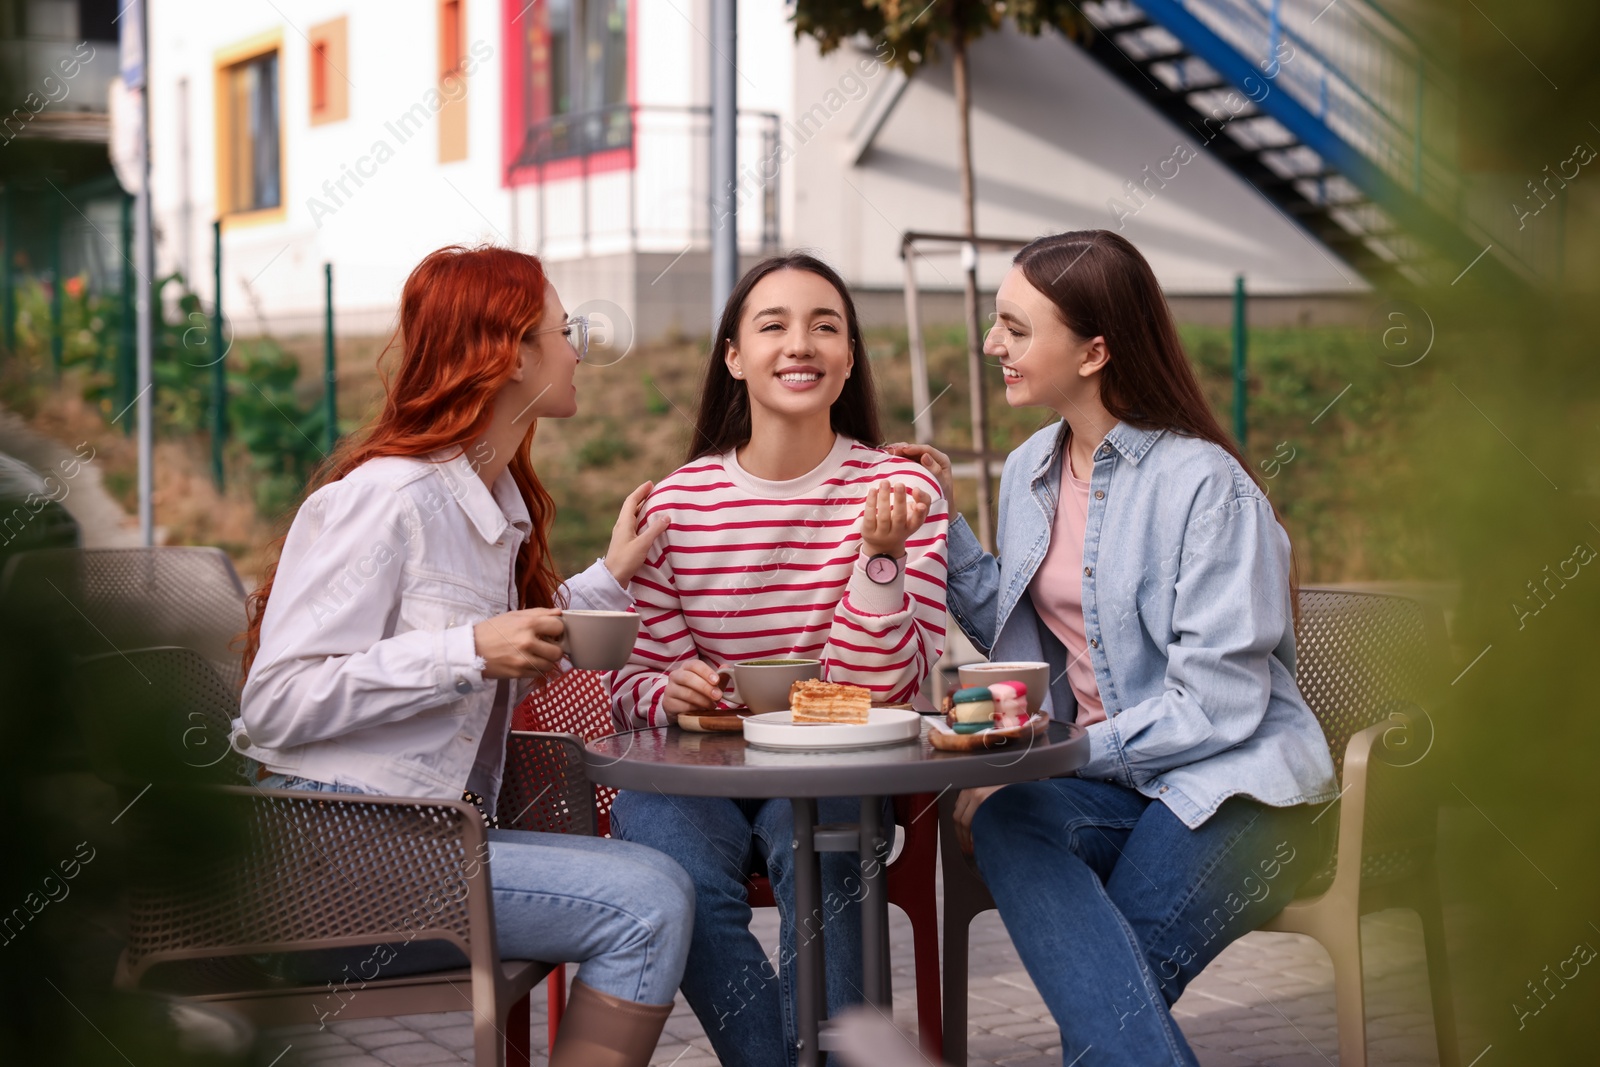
756 569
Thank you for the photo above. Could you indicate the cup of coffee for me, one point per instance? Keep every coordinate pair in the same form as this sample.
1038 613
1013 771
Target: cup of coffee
1036 676
599 640
763 684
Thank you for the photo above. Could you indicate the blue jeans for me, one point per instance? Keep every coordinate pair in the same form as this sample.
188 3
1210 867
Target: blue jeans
621 911
745 1004
1115 905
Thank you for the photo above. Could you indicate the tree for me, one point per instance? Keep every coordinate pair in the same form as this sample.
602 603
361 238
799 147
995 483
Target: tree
916 30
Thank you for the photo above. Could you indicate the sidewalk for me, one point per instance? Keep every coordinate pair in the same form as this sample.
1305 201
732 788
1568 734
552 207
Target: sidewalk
1267 1001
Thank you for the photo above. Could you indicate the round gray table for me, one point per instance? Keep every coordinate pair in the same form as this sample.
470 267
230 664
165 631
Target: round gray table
672 761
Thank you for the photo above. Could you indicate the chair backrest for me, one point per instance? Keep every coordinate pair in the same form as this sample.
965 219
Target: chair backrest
120 598
577 702
1360 657
317 872
545 787
158 715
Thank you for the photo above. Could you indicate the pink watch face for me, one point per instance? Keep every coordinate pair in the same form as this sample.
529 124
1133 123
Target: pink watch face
882 569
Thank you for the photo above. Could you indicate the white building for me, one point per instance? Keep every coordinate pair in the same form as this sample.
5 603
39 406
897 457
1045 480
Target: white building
365 135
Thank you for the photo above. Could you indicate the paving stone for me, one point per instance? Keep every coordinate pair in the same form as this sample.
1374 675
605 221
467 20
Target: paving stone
363 1026
461 1037
433 1019
1265 1001
313 1040
416 1054
400 1035
322 1054
1026 1029
1210 1057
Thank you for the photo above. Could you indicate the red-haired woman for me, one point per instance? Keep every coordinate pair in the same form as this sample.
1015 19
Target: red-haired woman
414 602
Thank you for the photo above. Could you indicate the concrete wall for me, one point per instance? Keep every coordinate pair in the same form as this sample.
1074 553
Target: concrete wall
1054 140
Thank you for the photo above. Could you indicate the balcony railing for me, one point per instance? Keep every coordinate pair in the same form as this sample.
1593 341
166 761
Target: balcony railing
56 89
661 198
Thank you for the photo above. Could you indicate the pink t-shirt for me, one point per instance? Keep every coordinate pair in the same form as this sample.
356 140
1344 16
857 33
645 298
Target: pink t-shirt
1057 590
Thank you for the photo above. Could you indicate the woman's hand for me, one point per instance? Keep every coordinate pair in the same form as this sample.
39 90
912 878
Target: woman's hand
628 549
967 802
889 517
692 687
934 461
520 644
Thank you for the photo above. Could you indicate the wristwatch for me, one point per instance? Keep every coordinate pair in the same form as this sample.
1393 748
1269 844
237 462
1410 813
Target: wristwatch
883 568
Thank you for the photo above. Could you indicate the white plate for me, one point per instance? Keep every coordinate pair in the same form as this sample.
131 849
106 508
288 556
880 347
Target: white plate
776 729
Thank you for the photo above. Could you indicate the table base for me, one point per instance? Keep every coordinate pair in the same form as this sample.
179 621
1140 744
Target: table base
867 838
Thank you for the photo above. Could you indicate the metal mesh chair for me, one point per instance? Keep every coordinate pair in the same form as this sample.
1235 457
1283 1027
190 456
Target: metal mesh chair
1367 664
118 598
159 715
579 703
576 703
334 906
351 889
544 787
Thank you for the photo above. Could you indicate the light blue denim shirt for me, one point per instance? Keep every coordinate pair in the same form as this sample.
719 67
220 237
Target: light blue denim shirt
1187 609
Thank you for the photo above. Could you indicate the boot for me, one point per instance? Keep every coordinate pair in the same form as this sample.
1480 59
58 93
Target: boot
599 1030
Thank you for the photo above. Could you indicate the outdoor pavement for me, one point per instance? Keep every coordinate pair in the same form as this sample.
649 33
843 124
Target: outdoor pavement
1267 1001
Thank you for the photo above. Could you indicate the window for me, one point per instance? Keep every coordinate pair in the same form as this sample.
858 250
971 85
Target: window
576 77
452 81
450 53
319 77
249 169
329 71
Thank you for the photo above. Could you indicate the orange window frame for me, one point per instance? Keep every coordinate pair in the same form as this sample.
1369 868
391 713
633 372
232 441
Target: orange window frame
224 62
328 71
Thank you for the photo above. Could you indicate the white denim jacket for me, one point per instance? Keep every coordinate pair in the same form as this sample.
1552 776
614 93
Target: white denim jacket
368 674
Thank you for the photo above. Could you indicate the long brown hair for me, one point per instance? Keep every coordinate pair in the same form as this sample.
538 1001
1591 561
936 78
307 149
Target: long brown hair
463 312
723 421
1102 287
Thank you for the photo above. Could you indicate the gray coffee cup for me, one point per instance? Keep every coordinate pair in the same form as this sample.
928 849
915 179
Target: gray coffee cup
599 640
1033 674
762 685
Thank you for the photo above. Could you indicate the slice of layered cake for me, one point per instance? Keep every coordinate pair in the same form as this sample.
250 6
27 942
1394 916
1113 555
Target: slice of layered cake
814 701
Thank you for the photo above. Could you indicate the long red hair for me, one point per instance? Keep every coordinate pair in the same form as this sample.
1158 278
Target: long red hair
463 312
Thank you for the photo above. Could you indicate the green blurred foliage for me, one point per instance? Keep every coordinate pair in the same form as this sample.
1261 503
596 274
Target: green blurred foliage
1507 460
916 29
69 852
272 424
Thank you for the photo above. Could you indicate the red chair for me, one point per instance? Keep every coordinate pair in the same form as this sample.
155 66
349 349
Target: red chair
579 703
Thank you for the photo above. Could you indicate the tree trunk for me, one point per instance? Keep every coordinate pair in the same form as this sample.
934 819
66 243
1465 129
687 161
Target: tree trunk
969 263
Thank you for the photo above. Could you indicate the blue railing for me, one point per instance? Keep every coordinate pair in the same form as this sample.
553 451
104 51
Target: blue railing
1358 88
1355 72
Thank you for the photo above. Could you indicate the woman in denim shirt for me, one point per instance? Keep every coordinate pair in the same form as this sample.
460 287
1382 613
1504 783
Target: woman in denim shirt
1142 561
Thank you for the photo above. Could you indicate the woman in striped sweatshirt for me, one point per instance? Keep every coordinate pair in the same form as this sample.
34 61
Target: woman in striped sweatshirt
772 521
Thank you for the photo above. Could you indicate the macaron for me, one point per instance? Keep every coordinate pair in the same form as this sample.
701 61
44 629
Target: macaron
972 709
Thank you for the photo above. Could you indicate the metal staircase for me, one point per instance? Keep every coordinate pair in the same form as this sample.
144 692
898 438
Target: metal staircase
1334 112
